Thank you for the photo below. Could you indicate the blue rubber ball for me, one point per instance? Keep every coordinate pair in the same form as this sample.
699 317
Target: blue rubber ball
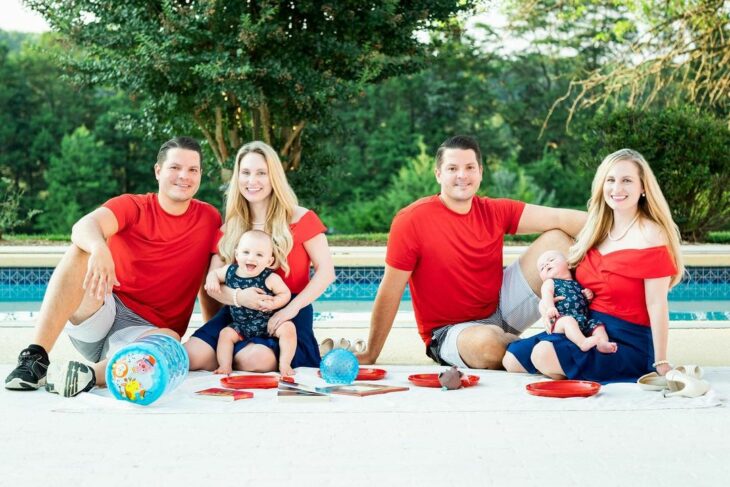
339 367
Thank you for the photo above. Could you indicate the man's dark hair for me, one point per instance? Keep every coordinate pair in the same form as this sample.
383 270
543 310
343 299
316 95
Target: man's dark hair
187 143
463 142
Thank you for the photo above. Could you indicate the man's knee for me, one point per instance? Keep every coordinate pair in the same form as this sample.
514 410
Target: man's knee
550 240
162 331
166 331
557 237
482 347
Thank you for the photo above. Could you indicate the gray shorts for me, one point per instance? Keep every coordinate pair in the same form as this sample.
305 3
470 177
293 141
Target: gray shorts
106 331
517 311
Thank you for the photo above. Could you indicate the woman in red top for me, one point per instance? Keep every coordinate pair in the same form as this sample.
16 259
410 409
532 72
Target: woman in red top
628 254
260 198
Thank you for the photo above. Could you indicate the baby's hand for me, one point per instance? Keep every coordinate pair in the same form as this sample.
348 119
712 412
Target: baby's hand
588 294
212 284
271 326
266 303
551 315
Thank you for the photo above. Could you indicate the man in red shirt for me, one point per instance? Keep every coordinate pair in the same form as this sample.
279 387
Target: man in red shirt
448 248
134 268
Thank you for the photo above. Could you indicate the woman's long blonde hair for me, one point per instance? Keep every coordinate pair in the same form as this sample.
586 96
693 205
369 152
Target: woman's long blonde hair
279 215
653 207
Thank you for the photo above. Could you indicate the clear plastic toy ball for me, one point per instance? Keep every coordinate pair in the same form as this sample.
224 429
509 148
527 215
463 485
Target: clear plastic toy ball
147 368
339 366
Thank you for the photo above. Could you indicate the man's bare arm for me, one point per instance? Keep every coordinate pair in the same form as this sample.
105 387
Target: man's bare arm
90 234
385 308
539 219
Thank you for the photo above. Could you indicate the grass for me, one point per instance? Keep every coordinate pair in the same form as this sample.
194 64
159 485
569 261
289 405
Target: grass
339 240
39 239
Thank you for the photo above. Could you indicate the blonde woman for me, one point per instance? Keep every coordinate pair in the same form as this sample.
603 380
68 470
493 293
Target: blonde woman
628 254
260 198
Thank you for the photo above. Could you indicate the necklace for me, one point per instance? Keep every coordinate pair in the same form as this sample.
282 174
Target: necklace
258 223
625 231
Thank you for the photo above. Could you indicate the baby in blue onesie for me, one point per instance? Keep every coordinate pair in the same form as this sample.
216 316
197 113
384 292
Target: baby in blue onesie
569 315
253 268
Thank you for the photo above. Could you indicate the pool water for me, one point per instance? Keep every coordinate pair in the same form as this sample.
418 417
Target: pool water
687 301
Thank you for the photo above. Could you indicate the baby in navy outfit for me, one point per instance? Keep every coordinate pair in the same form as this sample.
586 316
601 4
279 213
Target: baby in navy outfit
253 268
569 315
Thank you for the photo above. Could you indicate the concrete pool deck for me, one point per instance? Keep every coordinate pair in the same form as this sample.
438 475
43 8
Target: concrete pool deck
422 437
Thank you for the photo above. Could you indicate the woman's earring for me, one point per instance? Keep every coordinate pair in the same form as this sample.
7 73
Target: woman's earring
643 195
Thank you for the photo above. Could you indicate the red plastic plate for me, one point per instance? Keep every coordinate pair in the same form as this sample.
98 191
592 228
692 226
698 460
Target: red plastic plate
367 374
432 380
564 388
250 381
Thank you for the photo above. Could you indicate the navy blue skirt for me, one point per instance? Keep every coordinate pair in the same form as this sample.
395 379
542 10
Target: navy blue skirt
633 358
306 355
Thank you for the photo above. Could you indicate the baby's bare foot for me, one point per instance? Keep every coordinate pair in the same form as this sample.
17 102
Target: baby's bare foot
223 370
607 347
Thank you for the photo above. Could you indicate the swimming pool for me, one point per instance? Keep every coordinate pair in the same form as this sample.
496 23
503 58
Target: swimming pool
703 295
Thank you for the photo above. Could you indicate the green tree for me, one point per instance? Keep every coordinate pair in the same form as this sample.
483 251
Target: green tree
37 108
240 70
652 51
378 132
79 180
412 181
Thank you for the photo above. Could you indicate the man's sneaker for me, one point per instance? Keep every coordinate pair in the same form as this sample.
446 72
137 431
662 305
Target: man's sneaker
30 374
70 378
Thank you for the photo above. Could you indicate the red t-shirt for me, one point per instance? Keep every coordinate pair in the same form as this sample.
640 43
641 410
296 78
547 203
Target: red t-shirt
617 279
298 259
456 260
161 259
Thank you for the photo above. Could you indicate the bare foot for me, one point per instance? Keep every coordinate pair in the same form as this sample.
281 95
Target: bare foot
588 343
607 347
286 370
223 370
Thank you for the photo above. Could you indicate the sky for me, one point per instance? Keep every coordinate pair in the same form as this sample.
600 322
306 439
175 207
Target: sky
16 16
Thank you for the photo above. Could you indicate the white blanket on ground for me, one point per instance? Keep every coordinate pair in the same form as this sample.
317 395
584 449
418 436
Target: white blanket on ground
496 391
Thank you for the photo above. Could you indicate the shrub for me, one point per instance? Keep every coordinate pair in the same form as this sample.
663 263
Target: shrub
11 214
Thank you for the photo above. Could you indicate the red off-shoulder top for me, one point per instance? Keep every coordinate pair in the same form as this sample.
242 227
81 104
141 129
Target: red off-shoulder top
617 279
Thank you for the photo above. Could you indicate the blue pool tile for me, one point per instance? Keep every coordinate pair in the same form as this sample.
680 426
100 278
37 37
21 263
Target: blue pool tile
361 284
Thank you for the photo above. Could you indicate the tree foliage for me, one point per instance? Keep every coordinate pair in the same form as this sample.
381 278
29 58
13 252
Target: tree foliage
79 179
655 52
245 70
